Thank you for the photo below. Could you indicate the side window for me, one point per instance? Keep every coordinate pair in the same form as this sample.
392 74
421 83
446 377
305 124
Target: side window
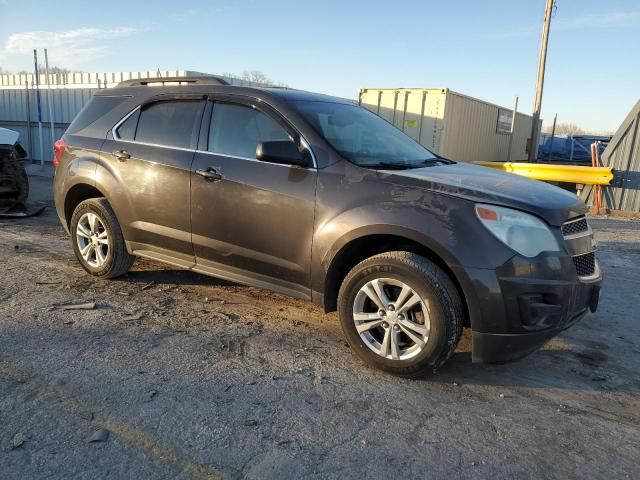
127 131
168 123
236 130
93 111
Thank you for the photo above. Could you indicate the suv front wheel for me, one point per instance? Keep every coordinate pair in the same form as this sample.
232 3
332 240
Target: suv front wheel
97 239
401 313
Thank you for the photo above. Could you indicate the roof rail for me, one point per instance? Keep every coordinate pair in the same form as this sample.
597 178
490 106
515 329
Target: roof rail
202 80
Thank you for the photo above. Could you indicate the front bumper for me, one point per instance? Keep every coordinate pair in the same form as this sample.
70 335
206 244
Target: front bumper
502 348
525 303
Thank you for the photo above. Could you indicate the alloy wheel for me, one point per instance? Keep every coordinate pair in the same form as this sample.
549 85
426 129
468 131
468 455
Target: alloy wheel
92 239
391 318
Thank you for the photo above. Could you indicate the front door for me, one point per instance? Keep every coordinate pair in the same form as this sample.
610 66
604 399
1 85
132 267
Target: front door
252 221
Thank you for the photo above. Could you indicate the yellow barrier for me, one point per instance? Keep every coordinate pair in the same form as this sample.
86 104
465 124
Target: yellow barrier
556 173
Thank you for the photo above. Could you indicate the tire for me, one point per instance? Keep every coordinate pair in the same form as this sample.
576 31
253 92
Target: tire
15 170
22 183
114 260
440 310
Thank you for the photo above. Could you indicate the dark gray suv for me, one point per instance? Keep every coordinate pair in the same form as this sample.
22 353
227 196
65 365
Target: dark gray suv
316 197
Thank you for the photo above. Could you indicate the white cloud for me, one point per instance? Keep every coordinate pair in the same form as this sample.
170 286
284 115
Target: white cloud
599 20
68 49
558 23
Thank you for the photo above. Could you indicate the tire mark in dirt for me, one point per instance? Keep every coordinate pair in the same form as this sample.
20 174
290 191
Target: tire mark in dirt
32 240
70 402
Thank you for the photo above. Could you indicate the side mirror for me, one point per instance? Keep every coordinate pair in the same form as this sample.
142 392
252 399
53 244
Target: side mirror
281 151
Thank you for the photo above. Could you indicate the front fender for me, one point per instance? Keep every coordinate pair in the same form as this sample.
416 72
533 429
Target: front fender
446 226
361 231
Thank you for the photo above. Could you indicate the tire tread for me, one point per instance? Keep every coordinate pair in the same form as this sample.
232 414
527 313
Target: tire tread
122 260
446 292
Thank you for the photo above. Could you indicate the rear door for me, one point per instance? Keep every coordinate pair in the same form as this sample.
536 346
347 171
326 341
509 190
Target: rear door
152 150
255 222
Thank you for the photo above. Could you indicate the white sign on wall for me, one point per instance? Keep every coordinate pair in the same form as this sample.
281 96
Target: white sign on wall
505 117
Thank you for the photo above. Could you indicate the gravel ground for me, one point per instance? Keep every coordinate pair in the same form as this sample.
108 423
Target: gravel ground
193 377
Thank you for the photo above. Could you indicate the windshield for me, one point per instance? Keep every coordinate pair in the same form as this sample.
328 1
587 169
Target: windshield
364 138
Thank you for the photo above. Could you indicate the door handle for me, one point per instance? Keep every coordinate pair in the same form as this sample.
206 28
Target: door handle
121 155
210 174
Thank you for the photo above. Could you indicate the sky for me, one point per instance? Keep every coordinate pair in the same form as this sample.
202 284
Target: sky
486 49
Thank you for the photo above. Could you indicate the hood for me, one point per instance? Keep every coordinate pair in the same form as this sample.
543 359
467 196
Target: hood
487 185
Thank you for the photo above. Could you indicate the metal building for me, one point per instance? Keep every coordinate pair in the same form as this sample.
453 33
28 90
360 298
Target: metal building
450 124
623 154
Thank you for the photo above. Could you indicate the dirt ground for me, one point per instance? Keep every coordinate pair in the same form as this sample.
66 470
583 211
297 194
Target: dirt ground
177 375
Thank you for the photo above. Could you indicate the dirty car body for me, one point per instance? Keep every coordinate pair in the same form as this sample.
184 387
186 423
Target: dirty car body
299 229
14 184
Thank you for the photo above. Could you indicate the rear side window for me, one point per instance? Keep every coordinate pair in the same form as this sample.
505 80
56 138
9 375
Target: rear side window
236 130
96 108
171 123
127 131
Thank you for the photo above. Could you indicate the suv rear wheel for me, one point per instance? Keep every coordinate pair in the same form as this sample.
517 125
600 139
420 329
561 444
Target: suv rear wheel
401 313
97 239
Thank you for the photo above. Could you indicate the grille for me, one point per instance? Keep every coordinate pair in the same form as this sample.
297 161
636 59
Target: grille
585 264
575 226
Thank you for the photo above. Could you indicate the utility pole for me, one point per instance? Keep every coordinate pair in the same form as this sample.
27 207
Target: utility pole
542 61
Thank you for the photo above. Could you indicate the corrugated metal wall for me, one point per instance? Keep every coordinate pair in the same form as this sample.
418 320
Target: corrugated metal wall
66 103
448 123
623 154
470 132
69 93
104 80
417 112
85 79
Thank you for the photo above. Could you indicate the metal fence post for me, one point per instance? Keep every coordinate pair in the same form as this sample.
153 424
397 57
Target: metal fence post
553 134
28 108
37 77
49 100
513 126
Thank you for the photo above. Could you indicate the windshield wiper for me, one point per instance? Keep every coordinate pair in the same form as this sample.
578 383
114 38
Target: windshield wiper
405 166
389 165
437 161
446 161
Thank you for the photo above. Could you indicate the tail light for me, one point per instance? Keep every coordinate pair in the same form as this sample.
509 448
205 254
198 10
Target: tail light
58 149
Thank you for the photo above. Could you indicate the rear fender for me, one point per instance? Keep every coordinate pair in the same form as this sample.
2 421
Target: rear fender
77 171
109 180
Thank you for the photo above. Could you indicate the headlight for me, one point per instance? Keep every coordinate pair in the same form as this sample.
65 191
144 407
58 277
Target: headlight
524 233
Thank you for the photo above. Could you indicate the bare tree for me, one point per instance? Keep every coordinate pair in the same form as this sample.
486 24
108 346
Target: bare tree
42 70
564 129
256 76
259 77
57 70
